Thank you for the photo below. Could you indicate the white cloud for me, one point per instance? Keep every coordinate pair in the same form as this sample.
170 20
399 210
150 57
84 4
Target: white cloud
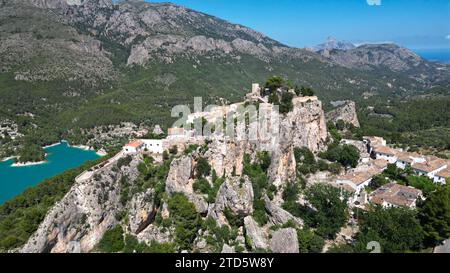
447 37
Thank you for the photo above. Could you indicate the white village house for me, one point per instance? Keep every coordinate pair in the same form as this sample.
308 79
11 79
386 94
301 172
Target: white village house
133 147
405 159
386 153
442 176
354 182
431 166
373 141
395 195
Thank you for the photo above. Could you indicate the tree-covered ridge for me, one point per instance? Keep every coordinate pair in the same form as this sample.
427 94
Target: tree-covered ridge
30 153
74 75
21 216
415 123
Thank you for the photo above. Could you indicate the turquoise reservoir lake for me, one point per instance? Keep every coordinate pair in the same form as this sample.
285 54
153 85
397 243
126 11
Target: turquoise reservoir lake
61 157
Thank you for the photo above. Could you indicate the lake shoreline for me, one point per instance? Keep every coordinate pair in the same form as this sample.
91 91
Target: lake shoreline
18 177
52 145
25 164
100 152
8 158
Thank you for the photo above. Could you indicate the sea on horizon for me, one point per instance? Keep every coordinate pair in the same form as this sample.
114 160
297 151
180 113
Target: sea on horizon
434 54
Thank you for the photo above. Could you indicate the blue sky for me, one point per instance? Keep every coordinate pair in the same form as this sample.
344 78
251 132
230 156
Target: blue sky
415 24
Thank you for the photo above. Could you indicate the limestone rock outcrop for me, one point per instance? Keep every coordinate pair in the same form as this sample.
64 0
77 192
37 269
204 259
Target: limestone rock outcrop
256 235
345 111
141 211
153 233
304 126
79 220
227 157
180 180
236 194
180 174
279 216
284 241
227 249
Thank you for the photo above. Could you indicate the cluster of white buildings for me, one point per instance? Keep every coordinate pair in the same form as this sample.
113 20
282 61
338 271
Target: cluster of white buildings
10 129
392 194
395 195
356 180
216 115
176 137
435 168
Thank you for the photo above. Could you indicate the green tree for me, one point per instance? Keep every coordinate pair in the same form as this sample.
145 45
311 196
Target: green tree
423 183
307 91
203 168
331 210
396 229
202 185
264 160
173 150
340 125
393 172
274 99
378 181
349 156
435 215
186 219
273 83
309 242
112 241
306 161
286 104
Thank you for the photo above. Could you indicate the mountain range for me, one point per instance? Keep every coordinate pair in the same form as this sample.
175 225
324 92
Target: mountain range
332 43
83 63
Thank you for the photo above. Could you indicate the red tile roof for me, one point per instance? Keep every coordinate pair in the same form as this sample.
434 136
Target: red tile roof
430 165
135 144
384 150
444 173
175 131
395 194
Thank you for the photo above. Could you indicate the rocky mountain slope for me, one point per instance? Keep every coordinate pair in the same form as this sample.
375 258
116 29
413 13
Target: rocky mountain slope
345 111
85 63
110 37
332 43
389 56
135 193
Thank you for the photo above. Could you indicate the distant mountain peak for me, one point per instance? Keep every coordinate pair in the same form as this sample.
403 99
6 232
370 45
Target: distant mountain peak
332 43
63 4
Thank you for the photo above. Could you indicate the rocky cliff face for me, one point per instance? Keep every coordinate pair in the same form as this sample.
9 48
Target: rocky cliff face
161 30
77 223
368 56
79 220
304 126
345 111
236 194
181 180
